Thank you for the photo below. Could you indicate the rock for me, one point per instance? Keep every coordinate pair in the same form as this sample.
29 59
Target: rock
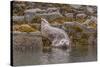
80 34
52 10
90 9
31 13
26 28
91 22
16 32
81 16
93 19
57 25
50 13
37 26
76 6
32 10
18 19
27 41
69 15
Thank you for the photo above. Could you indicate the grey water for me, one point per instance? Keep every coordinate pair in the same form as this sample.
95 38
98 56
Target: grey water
55 56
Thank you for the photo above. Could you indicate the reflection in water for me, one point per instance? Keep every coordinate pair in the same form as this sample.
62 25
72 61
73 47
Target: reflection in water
55 55
83 54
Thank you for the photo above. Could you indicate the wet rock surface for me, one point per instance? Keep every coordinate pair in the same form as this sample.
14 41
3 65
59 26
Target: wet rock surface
27 41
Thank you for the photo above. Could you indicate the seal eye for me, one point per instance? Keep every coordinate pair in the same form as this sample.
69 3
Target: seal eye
62 41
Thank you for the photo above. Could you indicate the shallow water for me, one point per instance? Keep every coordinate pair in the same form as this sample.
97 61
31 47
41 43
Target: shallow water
55 55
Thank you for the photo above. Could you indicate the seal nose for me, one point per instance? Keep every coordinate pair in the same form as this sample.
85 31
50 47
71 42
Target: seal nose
44 20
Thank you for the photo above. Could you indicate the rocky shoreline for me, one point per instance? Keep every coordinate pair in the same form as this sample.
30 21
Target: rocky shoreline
79 22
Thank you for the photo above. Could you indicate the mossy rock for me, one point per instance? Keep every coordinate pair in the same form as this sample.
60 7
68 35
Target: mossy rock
16 27
26 28
35 26
93 25
37 19
59 20
85 36
19 22
77 29
80 20
83 41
